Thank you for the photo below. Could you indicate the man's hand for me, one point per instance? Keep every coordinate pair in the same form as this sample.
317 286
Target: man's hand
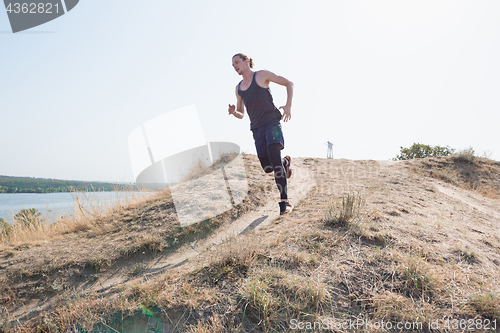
231 109
287 113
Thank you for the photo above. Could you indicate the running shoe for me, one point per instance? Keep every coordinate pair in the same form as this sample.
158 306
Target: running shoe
285 207
288 169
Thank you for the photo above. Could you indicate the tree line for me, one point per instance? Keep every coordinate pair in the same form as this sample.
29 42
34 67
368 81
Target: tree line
10 184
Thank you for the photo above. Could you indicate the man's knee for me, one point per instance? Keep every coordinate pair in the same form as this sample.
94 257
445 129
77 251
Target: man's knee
266 165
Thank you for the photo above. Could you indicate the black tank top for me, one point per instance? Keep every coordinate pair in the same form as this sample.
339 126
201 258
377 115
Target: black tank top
259 104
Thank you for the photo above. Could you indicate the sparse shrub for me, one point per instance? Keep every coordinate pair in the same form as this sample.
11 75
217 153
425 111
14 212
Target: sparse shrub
448 174
311 292
148 243
487 304
97 263
467 255
369 234
47 327
466 155
197 170
30 218
275 295
5 229
4 320
418 280
138 270
418 150
392 306
349 207
233 257
487 155
216 324
258 295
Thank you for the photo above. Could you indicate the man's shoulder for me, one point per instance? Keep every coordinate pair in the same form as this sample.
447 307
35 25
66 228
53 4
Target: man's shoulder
263 72
262 76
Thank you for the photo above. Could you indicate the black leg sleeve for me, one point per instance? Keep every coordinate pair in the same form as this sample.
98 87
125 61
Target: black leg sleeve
266 164
274 155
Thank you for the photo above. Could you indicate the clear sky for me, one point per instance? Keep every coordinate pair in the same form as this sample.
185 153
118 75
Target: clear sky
370 76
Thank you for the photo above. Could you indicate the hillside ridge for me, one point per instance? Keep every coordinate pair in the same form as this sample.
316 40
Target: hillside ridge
417 248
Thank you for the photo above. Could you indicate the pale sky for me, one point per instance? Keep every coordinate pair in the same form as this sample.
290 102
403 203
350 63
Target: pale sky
370 76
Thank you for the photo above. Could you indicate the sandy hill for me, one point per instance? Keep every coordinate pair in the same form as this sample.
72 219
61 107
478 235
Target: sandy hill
370 246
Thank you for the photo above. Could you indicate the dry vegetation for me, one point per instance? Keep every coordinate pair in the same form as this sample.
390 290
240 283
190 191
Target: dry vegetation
464 170
373 241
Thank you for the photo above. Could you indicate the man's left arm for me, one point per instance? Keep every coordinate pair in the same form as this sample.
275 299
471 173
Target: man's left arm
287 108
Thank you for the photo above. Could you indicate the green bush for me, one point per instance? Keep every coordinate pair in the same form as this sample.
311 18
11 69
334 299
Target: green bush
30 218
418 150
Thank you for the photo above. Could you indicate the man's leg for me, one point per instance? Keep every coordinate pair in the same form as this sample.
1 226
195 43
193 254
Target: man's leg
268 167
276 163
270 143
266 164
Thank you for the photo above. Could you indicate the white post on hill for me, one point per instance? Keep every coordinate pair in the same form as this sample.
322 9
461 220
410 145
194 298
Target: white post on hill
329 152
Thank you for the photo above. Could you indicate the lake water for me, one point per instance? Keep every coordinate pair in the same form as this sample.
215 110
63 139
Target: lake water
53 205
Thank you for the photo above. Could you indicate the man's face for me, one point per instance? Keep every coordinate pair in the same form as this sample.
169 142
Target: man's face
239 64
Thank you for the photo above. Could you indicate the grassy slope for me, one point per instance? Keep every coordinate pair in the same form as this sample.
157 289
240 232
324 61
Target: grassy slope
411 254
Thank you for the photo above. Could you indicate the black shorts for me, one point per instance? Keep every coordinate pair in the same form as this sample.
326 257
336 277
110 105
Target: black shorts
266 135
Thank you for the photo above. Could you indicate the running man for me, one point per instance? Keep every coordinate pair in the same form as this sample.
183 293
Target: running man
253 93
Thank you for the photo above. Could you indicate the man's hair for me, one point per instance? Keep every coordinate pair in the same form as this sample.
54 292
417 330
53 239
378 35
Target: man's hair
245 57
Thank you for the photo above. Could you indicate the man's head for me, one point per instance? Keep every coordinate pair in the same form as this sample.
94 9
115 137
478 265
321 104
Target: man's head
242 63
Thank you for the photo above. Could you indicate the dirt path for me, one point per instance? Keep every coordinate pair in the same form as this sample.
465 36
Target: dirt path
298 186
479 202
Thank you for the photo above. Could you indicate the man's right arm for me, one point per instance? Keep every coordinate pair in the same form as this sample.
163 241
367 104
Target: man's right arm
239 110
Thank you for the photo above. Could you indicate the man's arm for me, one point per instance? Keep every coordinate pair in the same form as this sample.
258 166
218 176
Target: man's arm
271 77
239 110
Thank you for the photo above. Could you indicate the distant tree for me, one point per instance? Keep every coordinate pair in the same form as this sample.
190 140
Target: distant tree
418 150
39 185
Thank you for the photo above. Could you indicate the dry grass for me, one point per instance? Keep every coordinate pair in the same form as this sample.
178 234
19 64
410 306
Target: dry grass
487 303
407 253
395 307
465 170
30 228
215 324
447 174
138 230
466 155
417 279
235 253
200 168
273 295
344 211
